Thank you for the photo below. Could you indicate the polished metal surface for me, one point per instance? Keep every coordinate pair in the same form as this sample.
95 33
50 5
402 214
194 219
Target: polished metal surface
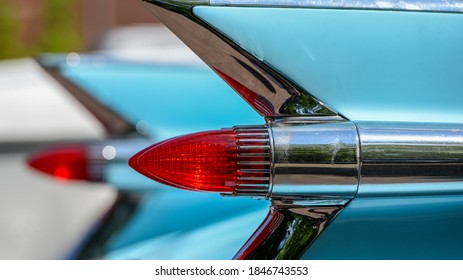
403 5
267 91
315 159
287 231
254 160
330 162
302 119
410 152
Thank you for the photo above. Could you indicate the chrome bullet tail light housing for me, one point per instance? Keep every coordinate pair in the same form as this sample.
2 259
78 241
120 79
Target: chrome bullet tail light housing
308 159
280 159
309 169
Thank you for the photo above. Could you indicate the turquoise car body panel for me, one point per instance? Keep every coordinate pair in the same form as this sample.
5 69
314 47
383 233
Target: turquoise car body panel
364 64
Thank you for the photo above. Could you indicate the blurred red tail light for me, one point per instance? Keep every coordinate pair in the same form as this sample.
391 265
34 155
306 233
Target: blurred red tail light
63 163
230 161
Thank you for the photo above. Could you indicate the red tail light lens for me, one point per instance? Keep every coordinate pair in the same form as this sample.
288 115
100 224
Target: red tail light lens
226 161
62 163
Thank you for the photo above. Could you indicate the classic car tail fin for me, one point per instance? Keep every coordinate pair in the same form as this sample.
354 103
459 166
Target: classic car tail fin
267 91
116 125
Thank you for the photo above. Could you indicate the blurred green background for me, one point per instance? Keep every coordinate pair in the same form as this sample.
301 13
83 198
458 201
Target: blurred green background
31 27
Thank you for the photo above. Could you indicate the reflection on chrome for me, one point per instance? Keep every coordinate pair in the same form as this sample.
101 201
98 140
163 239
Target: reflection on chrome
333 159
411 152
287 232
322 162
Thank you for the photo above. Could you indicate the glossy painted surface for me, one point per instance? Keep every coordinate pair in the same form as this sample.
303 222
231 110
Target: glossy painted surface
366 65
413 227
220 240
171 210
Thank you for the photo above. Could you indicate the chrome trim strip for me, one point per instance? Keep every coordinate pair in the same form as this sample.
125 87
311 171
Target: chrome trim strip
316 161
411 152
304 119
267 91
332 162
418 189
454 6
